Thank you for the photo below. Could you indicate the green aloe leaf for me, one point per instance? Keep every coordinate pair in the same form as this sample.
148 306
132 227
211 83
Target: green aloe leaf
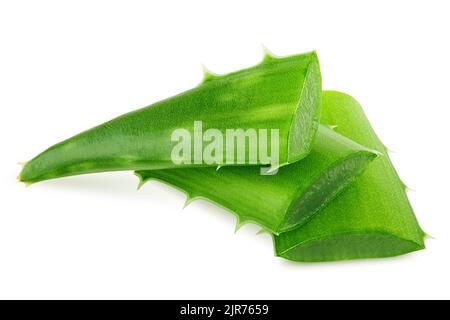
372 218
279 93
279 202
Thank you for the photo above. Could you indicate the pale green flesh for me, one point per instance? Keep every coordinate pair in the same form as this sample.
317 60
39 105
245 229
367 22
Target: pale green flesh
372 218
279 202
279 93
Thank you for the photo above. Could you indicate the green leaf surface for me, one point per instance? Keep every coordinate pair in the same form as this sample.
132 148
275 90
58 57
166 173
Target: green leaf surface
278 202
279 93
372 218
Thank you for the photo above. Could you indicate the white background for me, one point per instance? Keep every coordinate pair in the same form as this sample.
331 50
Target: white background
66 66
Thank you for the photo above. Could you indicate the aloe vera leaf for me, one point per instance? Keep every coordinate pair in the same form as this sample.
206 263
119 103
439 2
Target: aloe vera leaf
372 218
280 93
279 202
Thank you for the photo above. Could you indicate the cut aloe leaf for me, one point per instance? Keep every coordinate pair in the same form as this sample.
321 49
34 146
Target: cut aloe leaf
278 202
279 93
372 218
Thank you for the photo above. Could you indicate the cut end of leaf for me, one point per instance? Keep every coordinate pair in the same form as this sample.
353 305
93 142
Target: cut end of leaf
333 181
306 118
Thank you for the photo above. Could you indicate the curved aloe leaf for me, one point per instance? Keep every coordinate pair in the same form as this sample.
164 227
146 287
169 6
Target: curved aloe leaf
281 93
372 218
282 201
